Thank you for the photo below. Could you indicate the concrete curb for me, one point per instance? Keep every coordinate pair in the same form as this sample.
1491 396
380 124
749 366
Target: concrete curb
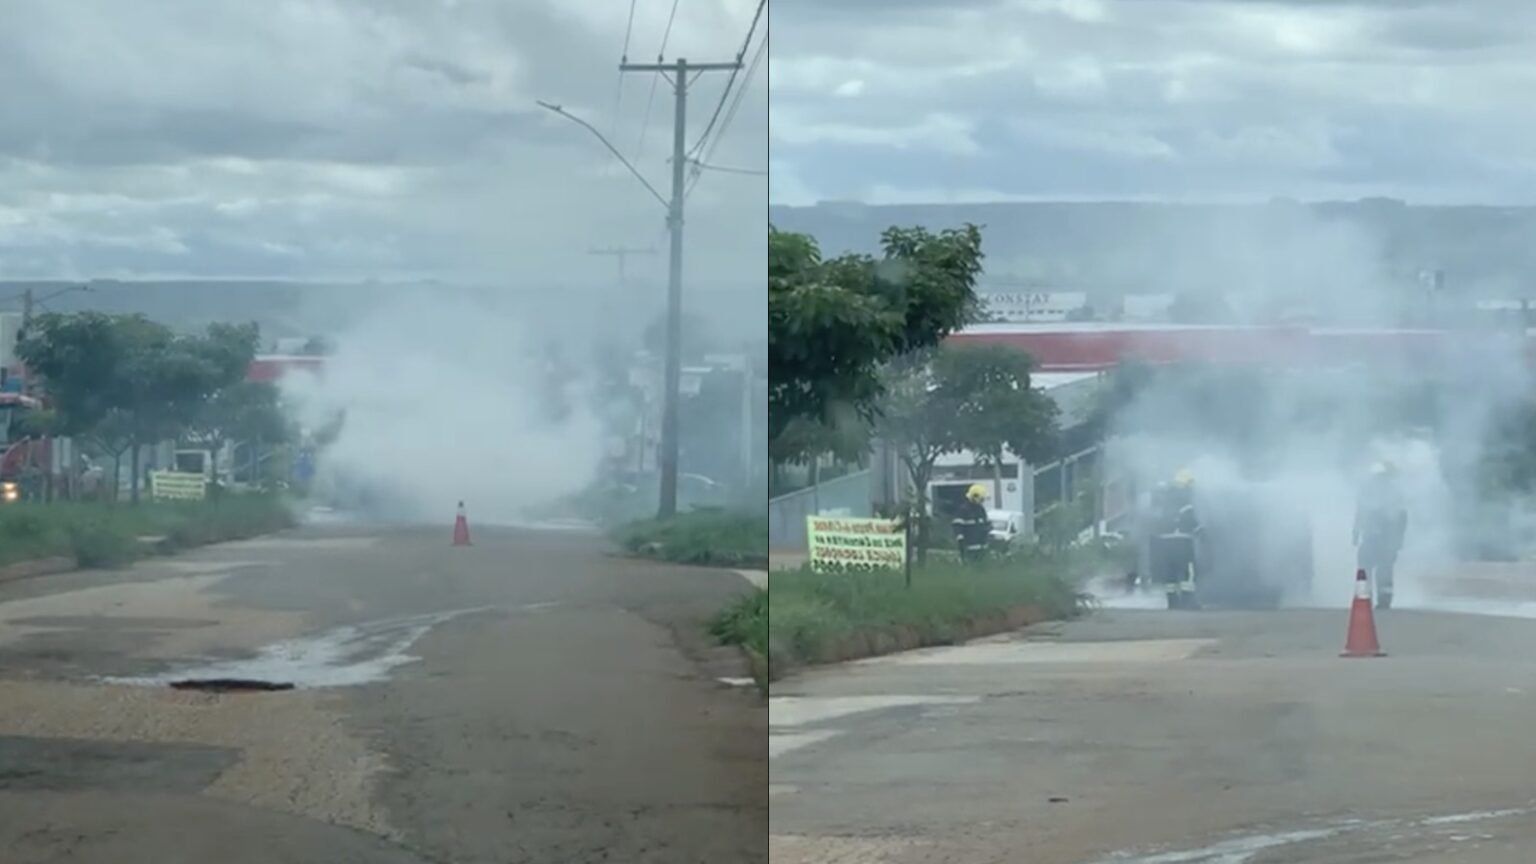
41 567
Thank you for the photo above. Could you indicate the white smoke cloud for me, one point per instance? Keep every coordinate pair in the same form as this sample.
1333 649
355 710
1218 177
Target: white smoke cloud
1310 436
449 401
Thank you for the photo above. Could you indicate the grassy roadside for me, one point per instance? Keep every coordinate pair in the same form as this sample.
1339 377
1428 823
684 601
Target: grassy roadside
709 537
807 617
101 535
744 623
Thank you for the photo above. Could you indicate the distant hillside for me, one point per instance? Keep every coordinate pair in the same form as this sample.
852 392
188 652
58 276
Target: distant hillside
297 310
283 309
1133 247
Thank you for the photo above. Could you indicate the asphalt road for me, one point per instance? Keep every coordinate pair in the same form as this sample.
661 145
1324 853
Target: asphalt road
1150 737
527 699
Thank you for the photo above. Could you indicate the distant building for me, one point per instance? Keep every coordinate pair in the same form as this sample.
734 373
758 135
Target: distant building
10 365
1031 307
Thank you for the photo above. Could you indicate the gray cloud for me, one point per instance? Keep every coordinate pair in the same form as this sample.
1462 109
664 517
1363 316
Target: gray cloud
1154 98
355 138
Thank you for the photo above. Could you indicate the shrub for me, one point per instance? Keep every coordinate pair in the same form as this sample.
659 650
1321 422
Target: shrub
98 543
712 537
819 617
744 622
107 535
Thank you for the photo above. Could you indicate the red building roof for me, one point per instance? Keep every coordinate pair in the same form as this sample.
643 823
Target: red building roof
1066 347
273 367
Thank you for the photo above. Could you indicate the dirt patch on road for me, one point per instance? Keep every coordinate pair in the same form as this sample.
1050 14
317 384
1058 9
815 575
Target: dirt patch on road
296 755
163 619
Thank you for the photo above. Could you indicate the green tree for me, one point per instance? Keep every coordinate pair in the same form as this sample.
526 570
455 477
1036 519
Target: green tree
956 398
39 423
80 360
833 323
112 435
228 349
915 418
84 363
245 411
843 433
174 377
996 408
126 381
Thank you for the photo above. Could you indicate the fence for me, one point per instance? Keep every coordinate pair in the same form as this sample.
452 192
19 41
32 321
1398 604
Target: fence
849 494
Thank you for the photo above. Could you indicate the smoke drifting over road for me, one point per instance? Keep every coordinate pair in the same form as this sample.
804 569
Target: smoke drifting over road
1296 438
447 401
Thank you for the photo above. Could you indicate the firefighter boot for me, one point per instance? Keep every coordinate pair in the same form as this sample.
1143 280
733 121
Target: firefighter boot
1187 589
1384 598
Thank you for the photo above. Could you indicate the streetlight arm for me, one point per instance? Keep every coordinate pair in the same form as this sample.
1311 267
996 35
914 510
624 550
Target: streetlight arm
611 149
62 291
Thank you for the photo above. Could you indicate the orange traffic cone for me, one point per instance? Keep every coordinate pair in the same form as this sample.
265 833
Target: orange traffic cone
1361 641
461 528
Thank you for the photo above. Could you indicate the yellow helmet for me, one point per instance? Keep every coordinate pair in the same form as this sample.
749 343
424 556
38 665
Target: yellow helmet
1185 477
977 492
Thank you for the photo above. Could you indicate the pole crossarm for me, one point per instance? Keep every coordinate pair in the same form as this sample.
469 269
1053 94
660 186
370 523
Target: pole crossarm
673 67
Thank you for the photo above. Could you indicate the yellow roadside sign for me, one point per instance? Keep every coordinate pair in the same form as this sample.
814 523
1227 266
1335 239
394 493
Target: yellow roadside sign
174 486
855 544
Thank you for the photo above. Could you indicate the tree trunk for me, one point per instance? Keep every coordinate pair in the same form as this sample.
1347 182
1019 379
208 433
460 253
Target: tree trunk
137 459
920 473
214 447
997 479
117 474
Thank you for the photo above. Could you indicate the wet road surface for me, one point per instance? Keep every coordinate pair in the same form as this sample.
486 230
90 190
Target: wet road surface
527 699
1150 737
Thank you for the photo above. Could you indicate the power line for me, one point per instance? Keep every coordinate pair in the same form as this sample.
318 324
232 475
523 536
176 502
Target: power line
703 166
645 124
729 82
618 96
741 96
730 114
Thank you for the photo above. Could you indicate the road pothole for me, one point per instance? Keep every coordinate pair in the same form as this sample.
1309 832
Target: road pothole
230 685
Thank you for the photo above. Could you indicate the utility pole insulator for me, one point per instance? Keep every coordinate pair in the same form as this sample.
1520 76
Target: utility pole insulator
680 72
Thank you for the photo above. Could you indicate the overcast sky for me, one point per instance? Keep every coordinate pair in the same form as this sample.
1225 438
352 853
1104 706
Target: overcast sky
967 100
362 139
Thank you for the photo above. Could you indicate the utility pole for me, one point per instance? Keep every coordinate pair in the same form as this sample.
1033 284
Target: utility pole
622 253
30 302
680 70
